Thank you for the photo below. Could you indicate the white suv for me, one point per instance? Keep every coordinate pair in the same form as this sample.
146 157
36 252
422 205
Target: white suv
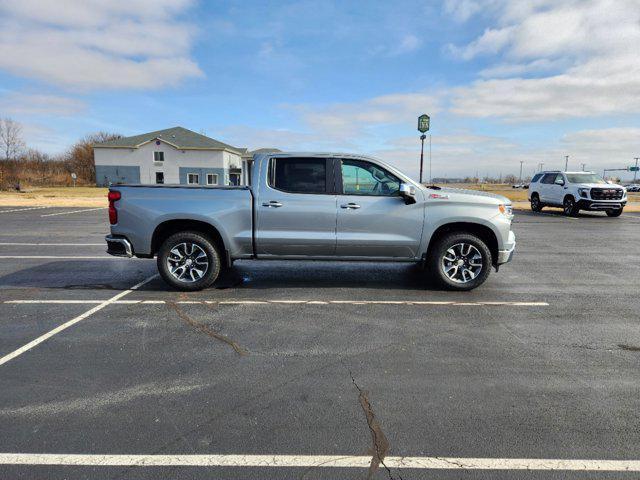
575 191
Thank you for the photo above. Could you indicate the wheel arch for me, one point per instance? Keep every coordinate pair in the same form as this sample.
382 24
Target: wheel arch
485 233
167 228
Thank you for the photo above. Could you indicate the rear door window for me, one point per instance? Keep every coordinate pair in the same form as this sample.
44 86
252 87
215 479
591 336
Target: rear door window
299 175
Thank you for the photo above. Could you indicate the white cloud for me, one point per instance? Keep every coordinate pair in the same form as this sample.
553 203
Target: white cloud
90 44
593 44
16 103
343 122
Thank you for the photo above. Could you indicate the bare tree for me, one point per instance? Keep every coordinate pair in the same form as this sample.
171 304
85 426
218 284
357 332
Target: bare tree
80 156
11 141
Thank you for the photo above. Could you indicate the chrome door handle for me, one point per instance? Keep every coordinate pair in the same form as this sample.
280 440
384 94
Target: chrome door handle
353 206
272 203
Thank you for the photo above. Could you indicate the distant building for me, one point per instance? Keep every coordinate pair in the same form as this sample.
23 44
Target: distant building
174 155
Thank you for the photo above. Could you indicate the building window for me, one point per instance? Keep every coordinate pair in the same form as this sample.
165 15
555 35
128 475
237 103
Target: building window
159 177
193 178
212 179
234 179
158 156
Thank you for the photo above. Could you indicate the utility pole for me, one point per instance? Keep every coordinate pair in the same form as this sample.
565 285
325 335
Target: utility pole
566 162
635 173
520 179
430 177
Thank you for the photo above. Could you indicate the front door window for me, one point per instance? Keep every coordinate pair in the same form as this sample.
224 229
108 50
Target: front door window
364 178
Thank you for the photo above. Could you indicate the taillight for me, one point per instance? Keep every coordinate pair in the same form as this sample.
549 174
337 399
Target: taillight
113 213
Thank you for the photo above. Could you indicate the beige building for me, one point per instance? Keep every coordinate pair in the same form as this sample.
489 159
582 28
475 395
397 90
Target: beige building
174 155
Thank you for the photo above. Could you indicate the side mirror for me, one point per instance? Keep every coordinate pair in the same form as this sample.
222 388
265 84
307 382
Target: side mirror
559 182
408 192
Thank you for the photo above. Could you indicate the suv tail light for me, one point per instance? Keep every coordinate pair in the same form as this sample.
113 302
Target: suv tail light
113 213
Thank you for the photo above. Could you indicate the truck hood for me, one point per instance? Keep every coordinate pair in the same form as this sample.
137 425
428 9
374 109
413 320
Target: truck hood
598 185
465 195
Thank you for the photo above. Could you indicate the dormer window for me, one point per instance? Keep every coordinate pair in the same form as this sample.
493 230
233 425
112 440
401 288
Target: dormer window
158 156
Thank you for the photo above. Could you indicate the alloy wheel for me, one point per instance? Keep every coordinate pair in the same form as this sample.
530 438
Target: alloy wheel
187 262
462 263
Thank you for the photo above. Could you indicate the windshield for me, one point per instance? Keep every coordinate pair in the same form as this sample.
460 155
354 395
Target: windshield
584 178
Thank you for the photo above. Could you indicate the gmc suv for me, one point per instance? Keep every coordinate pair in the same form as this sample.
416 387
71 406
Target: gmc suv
575 191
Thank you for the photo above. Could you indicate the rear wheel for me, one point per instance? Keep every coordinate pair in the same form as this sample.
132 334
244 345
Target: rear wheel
569 206
460 261
188 261
536 204
614 213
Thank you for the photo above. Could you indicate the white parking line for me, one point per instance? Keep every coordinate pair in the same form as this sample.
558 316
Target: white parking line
75 211
318 461
71 322
62 257
16 244
283 302
22 209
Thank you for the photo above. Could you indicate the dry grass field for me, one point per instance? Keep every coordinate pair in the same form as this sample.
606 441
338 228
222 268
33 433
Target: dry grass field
56 197
97 197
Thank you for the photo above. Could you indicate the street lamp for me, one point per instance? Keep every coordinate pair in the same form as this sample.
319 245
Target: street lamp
423 126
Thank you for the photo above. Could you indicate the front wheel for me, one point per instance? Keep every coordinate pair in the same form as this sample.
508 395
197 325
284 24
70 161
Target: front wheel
188 261
569 206
536 204
460 261
614 212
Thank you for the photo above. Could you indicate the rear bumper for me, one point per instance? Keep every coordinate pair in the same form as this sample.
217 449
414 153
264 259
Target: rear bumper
118 246
601 204
506 254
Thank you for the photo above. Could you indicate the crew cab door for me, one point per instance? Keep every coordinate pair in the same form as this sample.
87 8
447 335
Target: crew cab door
546 187
296 208
557 189
373 219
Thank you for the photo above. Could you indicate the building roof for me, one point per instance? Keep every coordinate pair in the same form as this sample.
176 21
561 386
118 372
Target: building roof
179 137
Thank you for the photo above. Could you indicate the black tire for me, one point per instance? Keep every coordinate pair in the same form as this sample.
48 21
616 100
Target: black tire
203 246
536 204
614 212
437 263
569 206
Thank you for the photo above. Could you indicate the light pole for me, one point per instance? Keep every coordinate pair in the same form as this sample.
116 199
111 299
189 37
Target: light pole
423 126
520 179
566 162
635 172
583 165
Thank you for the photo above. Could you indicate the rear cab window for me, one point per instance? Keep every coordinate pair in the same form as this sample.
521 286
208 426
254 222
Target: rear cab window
300 175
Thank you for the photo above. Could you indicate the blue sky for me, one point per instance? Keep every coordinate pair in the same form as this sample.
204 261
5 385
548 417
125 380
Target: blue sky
503 81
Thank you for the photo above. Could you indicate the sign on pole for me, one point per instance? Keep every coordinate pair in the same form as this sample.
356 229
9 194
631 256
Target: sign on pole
634 169
74 176
423 123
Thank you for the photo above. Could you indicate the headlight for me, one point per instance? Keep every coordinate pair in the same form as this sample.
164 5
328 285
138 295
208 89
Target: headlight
506 209
584 192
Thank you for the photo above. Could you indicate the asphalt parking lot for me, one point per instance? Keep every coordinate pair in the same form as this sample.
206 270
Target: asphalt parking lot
318 370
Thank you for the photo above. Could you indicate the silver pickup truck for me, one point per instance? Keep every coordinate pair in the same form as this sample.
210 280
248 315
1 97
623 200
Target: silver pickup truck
312 207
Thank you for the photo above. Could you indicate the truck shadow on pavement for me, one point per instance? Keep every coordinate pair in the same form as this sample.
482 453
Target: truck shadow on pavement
263 275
